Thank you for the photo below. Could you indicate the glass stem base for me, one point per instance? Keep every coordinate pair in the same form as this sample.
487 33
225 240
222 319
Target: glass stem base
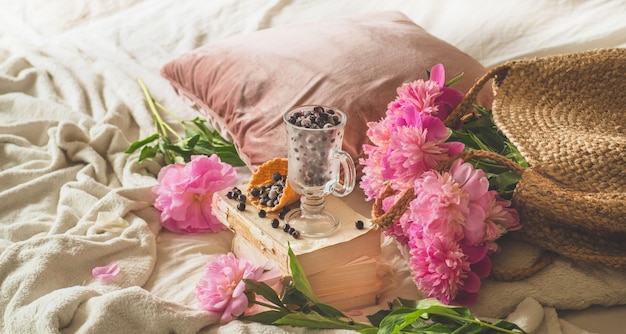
311 219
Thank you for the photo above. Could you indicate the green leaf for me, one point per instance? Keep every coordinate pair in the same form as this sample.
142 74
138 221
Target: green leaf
454 80
227 153
265 291
136 145
147 152
294 297
377 317
200 124
448 312
368 330
300 280
231 159
267 317
328 310
398 319
506 325
315 320
192 141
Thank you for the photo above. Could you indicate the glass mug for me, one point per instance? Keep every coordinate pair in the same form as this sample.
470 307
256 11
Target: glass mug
315 160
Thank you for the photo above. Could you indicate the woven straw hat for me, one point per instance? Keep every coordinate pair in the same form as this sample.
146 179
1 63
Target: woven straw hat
567 116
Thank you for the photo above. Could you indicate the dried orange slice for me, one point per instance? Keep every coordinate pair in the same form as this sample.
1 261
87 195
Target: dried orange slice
263 176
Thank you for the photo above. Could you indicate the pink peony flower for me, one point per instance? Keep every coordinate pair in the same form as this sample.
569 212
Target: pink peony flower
372 181
222 291
438 265
445 231
414 99
453 204
480 267
440 206
449 97
474 182
429 97
185 192
414 150
380 132
500 219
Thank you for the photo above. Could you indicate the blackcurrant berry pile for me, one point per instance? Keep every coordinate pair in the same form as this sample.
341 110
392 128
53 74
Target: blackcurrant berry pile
270 194
316 118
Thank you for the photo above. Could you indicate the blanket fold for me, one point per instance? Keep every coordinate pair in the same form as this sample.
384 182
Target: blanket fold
72 200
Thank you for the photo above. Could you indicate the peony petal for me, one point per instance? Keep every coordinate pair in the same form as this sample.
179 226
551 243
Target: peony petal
453 147
474 228
471 283
466 299
106 273
447 101
438 75
436 131
482 268
474 253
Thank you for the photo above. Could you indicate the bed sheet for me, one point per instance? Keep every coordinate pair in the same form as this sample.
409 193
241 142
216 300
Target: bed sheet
70 105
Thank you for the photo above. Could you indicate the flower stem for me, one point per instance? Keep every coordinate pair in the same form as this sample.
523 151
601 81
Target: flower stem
169 112
155 113
274 307
481 323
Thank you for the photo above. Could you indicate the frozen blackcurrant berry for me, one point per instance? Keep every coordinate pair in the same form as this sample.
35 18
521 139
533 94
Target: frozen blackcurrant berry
295 234
241 206
286 228
275 223
255 192
241 198
281 215
276 176
359 224
262 213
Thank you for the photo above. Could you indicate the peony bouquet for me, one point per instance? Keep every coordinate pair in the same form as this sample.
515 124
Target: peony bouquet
447 212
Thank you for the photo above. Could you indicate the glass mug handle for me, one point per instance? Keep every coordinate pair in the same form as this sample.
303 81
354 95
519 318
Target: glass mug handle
341 189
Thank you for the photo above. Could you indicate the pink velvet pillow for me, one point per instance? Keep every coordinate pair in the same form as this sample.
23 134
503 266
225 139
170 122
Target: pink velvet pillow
245 83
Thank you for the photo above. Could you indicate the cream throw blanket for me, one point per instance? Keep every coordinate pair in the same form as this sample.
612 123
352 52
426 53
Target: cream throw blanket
72 200
65 184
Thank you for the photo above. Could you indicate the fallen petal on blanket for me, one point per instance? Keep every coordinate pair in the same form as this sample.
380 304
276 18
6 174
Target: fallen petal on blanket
106 273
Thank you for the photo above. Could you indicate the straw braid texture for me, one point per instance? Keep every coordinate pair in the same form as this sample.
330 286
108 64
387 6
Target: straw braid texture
567 116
